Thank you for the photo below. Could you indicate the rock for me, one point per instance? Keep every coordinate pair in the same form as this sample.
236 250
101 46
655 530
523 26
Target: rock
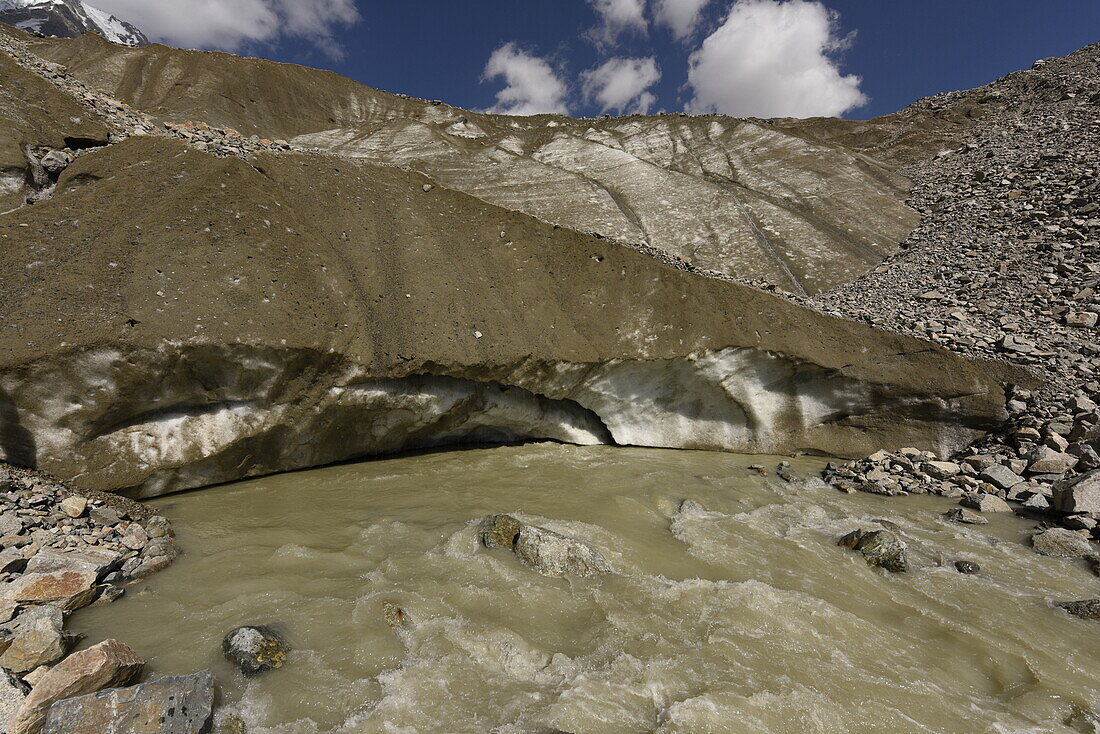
1000 476
941 470
1087 457
1061 543
963 515
967 567
499 531
1079 494
553 554
65 589
56 161
12 561
74 506
96 561
396 617
255 649
985 503
1085 609
38 639
106 516
12 694
170 705
691 507
106 665
1044 460
1082 319
1037 502
879 547
135 537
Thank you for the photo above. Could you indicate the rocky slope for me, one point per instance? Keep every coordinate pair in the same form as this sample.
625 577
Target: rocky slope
68 19
193 306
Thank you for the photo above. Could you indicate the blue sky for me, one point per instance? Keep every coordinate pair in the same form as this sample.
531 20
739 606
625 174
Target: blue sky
858 58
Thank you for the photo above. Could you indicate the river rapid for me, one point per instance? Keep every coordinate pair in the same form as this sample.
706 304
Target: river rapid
742 617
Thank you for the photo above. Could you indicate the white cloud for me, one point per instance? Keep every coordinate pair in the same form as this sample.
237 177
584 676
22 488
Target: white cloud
617 17
233 24
621 84
772 59
532 85
680 16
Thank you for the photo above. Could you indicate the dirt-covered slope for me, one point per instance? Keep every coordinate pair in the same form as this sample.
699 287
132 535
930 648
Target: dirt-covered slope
745 198
173 320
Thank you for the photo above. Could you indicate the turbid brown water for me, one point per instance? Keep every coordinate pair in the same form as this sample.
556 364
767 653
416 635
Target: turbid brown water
744 618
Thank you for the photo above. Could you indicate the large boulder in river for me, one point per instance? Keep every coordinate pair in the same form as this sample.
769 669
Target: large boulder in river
879 547
1079 494
553 554
255 649
106 665
173 705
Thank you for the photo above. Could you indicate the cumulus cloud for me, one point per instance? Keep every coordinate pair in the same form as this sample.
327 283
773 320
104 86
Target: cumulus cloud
680 16
621 84
618 17
233 24
532 88
773 59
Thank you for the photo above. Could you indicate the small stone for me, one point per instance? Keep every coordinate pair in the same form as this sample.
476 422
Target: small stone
396 617
74 506
255 649
1061 543
967 567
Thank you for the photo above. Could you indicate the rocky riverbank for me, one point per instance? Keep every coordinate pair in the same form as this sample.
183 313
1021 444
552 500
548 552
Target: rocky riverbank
62 550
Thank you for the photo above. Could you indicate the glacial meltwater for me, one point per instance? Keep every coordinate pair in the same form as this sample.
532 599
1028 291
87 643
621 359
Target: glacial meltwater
742 616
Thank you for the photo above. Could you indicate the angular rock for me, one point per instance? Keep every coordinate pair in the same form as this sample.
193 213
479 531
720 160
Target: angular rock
74 506
170 705
106 665
1061 543
1078 494
1044 460
1000 476
255 649
12 694
65 589
941 470
87 560
985 503
967 567
963 515
553 554
879 547
38 639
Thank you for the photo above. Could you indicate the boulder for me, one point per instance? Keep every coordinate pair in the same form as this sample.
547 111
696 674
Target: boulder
1044 460
172 705
106 665
967 567
960 514
1000 476
553 554
985 503
1061 543
499 531
91 560
57 161
65 589
941 470
255 649
879 547
38 639
1078 494
1085 609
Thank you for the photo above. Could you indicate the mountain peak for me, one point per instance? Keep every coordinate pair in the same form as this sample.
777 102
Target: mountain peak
68 19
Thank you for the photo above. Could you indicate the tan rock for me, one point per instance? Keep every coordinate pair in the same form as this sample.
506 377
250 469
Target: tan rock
74 506
37 639
65 589
107 665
